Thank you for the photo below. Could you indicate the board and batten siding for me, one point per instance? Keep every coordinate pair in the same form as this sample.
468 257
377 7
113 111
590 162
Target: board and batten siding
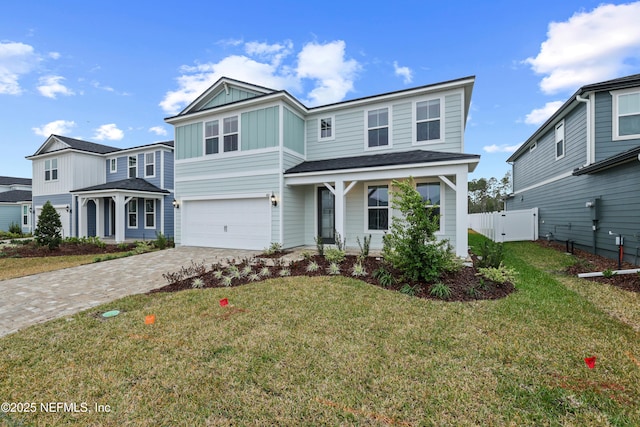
605 146
10 214
540 164
235 94
293 131
75 171
259 128
563 211
189 141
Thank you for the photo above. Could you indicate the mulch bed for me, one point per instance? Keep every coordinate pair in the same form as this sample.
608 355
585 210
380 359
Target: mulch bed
31 250
460 282
586 262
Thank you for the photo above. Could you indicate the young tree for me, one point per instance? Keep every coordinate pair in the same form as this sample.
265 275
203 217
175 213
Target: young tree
48 231
411 245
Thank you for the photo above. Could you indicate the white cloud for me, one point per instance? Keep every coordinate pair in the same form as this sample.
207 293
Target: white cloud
158 130
50 86
263 64
540 115
57 127
404 72
109 132
16 59
333 74
589 47
504 148
54 55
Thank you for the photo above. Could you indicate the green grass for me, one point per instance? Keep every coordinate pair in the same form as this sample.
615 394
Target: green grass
19 267
334 351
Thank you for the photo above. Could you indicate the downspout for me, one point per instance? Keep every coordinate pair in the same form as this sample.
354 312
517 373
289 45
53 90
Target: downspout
587 102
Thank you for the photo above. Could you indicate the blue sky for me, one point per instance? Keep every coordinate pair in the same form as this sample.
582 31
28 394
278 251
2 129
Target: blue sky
110 72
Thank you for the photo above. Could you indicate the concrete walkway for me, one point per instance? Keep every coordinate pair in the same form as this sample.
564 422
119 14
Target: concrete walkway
33 299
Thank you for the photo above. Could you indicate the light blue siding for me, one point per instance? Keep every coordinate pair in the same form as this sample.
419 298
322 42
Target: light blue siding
234 95
605 145
259 129
189 141
293 131
168 171
8 215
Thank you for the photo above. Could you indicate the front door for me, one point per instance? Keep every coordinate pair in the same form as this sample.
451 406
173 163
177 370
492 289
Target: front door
112 217
326 215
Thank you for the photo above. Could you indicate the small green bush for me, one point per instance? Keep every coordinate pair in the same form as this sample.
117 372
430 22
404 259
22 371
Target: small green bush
274 248
498 275
334 269
384 276
319 245
15 228
312 266
334 255
409 290
364 247
49 229
197 283
440 290
491 254
161 241
358 270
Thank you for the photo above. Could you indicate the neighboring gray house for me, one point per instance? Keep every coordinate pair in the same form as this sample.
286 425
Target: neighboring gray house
254 165
98 190
582 170
15 203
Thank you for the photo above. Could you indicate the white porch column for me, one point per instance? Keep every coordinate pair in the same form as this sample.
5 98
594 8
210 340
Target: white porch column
99 217
462 222
119 232
340 208
82 217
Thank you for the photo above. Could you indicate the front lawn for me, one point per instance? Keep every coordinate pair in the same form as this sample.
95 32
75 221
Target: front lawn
332 351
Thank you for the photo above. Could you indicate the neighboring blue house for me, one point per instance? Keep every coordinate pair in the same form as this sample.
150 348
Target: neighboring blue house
581 169
15 203
105 191
255 166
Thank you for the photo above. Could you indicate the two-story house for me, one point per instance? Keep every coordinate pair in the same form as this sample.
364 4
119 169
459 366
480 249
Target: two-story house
581 169
255 166
105 191
15 203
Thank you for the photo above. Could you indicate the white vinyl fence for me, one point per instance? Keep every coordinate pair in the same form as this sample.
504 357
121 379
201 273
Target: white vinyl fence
506 226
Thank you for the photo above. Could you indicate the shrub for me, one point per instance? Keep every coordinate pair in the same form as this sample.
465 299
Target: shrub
265 272
341 244
440 290
49 229
384 276
358 270
285 272
319 245
227 280
410 245
274 248
197 283
334 269
246 270
334 255
491 254
254 277
14 228
409 290
364 247
608 273
499 275
312 266
161 241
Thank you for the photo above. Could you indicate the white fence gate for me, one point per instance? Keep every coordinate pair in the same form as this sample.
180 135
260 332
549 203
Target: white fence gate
506 226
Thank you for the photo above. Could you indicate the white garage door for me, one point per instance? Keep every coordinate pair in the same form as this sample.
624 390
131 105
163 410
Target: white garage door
230 223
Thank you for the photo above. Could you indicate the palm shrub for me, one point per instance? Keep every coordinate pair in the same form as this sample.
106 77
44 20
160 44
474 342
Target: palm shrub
410 245
49 228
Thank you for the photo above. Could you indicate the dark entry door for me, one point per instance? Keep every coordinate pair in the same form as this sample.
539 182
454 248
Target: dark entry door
326 215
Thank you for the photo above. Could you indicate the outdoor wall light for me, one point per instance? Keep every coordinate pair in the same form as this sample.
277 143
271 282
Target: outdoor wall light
176 204
274 201
68 208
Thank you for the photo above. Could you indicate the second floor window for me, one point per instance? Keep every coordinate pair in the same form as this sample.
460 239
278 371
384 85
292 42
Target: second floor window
113 165
51 170
230 132
628 120
428 120
560 140
326 128
133 166
378 127
150 164
211 132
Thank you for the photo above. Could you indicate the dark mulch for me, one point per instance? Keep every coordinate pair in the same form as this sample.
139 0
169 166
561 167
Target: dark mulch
31 250
460 282
586 262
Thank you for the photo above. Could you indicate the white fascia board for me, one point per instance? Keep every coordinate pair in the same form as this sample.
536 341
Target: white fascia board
104 193
226 196
381 173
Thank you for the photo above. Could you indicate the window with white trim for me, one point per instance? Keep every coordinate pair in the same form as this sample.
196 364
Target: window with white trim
560 140
230 134
25 215
149 213
133 166
149 165
113 165
132 213
325 127
430 193
377 207
378 128
626 115
428 120
211 138
51 170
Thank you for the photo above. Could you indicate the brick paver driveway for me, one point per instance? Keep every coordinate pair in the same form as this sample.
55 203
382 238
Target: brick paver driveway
34 299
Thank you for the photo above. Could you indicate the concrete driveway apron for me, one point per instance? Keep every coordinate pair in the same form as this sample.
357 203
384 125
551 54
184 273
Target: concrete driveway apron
33 299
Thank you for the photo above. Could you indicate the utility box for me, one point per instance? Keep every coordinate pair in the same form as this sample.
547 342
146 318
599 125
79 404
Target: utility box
594 207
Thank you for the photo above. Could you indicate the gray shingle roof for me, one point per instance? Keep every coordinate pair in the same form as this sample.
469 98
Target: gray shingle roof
131 184
376 160
615 160
91 147
14 196
8 180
